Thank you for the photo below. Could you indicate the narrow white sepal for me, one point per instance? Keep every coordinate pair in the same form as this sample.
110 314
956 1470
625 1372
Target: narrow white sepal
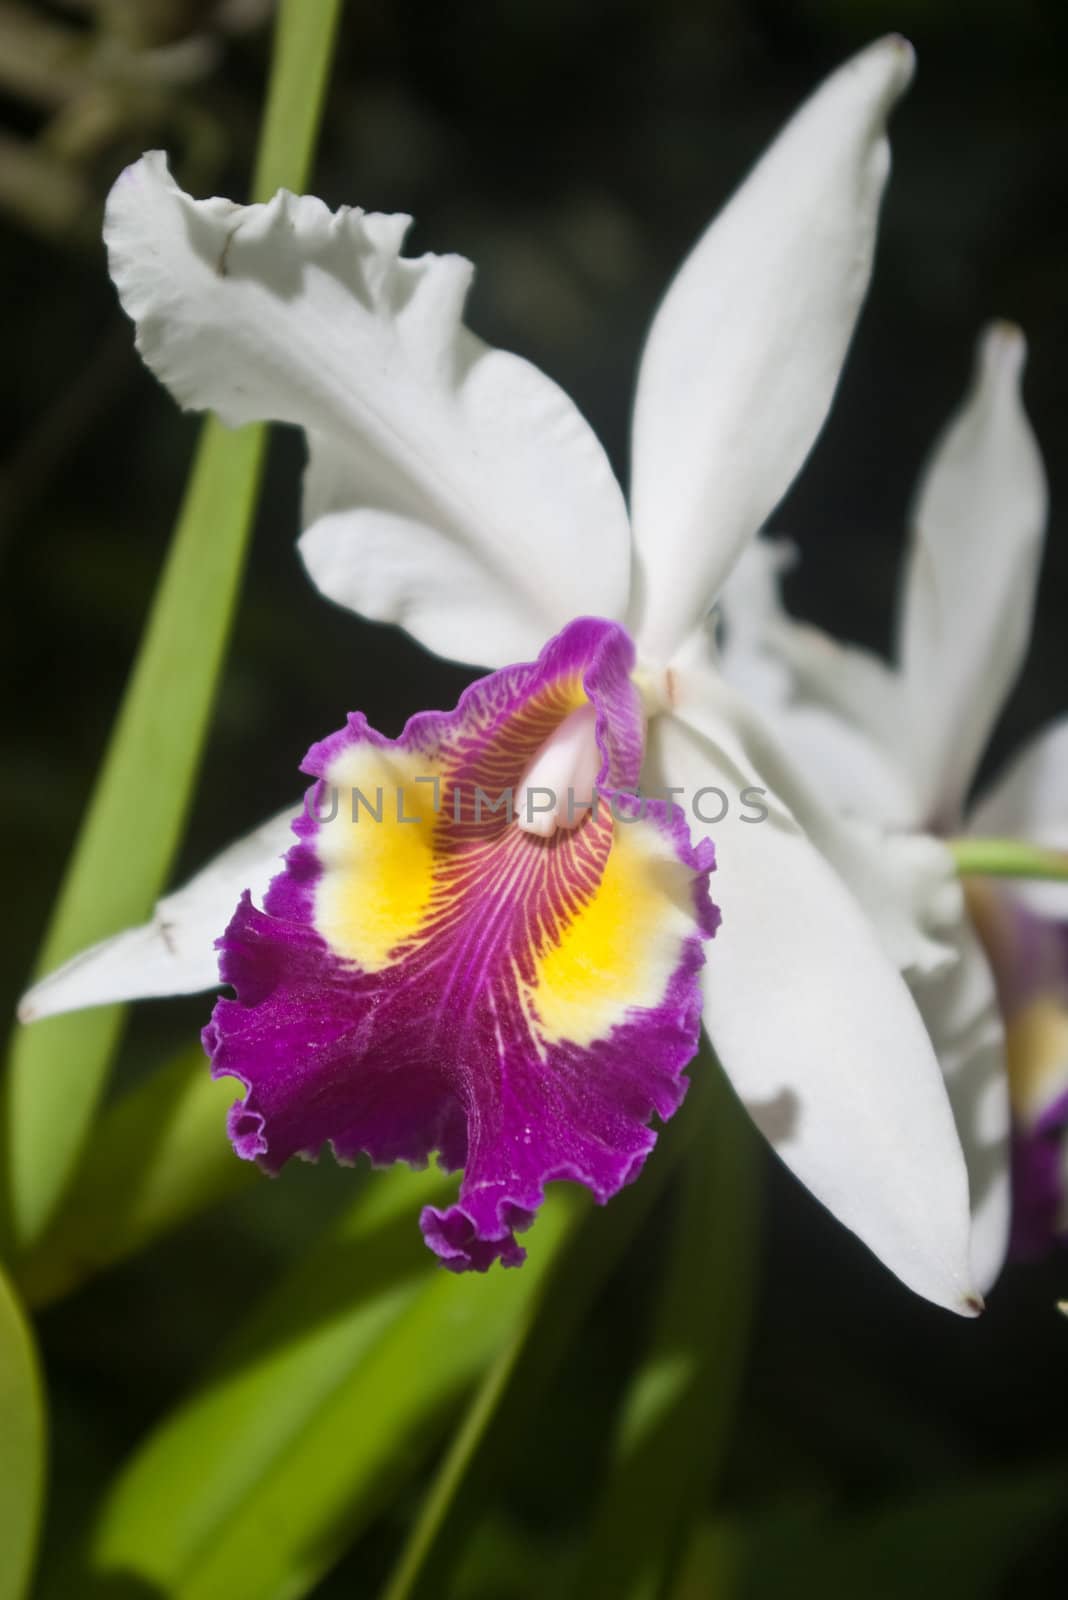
978 527
174 953
745 352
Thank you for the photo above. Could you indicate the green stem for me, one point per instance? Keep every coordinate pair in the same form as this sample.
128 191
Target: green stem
1008 858
135 818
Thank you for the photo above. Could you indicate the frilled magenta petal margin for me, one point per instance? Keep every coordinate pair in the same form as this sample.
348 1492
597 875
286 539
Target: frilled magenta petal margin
522 1005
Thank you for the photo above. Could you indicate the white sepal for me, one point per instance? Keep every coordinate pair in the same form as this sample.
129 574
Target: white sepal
175 952
978 526
744 354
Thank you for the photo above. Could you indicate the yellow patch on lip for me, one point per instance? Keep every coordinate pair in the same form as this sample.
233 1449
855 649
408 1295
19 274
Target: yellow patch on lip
378 876
621 947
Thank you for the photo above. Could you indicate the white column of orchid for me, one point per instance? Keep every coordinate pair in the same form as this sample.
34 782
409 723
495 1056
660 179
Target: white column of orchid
457 491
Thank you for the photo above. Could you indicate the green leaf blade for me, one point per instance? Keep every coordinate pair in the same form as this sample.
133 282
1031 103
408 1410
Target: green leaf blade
131 831
22 1447
129 836
158 1157
504 1408
676 1418
330 1398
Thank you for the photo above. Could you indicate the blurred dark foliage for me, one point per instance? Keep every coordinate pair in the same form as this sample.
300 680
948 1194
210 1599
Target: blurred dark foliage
574 153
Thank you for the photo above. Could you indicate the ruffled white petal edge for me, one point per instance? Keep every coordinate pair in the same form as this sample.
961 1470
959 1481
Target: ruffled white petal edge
978 526
174 953
745 352
821 1038
451 488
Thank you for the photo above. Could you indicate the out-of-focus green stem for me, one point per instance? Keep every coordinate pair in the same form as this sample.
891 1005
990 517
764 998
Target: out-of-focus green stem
134 822
1008 858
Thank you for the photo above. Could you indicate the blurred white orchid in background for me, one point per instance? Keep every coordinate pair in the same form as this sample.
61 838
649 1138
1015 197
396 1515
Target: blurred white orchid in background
455 490
898 744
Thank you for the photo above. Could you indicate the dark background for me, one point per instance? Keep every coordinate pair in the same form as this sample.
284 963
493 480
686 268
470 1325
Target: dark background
574 153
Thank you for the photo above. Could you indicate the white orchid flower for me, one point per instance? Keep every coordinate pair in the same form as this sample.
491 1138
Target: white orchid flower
455 490
897 744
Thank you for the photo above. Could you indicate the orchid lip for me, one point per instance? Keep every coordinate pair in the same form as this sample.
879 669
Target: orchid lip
464 987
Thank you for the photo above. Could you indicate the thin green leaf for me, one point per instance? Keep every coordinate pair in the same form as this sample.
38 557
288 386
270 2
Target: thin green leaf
158 1157
677 1415
327 1401
22 1447
134 822
499 1415
304 39
59 1067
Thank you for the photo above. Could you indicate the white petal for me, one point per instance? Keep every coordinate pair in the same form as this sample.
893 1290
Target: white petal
855 776
452 488
175 952
837 710
904 882
753 617
978 527
960 1009
823 1042
744 354
1030 801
